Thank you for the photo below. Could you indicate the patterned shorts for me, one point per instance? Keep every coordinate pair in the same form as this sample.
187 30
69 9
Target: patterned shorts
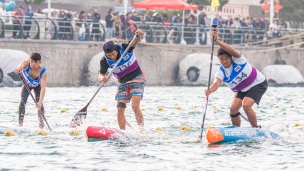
125 91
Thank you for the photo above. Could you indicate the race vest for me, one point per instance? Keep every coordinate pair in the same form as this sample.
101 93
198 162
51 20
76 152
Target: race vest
28 80
241 76
127 64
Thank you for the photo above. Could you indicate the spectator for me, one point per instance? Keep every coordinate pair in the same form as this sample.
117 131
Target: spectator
28 21
216 20
130 26
81 18
51 27
19 13
262 24
68 25
89 16
2 12
61 24
117 25
201 19
254 23
96 24
122 19
109 24
39 10
175 19
229 21
166 21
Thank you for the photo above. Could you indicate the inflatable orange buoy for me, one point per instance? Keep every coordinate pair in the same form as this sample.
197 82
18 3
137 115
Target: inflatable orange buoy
42 132
9 133
63 111
179 108
74 132
297 124
185 128
159 128
214 135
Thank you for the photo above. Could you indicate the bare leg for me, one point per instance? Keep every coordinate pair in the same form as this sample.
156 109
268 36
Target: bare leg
247 105
137 111
121 116
40 112
24 97
234 109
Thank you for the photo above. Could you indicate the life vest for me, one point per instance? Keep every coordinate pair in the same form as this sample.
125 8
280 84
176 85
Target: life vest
127 64
242 76
28 80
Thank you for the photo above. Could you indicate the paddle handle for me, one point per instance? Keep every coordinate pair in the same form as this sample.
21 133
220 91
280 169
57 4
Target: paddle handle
209 80
114 67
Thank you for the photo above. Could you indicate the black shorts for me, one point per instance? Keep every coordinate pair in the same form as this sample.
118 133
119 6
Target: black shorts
256 92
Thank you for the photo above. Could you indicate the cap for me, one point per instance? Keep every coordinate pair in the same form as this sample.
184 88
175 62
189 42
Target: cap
109 46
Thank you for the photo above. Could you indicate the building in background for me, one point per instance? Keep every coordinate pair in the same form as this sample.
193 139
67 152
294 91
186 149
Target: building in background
234 8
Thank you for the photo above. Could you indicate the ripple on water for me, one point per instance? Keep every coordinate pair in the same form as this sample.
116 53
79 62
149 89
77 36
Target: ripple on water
169 149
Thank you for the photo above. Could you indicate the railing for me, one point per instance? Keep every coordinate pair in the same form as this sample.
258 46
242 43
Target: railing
55 28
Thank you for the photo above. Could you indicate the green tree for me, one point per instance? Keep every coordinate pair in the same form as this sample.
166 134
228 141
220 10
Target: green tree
33 1
292 10
202 3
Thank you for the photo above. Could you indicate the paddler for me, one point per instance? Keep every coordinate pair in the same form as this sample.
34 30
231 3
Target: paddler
34 74
131 80
247 82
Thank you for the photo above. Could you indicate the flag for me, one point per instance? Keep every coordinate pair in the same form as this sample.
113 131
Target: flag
214 4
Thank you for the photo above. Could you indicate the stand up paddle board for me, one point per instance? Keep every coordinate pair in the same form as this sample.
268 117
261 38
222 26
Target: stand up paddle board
226 134
98 133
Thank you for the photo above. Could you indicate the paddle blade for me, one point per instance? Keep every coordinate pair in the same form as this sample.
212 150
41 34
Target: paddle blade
199 139
41 120
79 117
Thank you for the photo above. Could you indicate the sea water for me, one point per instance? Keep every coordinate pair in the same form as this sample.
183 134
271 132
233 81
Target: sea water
280 110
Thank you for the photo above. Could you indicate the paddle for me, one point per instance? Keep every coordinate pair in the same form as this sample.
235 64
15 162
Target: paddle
210 70
40 112
82 114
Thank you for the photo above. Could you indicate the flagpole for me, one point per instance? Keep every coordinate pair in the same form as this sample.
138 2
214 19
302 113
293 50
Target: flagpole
49 8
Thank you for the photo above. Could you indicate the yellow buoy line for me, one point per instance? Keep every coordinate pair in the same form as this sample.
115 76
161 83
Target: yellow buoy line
41 132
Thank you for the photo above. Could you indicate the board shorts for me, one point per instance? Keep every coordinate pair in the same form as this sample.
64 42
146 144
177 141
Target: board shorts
125 91
256 92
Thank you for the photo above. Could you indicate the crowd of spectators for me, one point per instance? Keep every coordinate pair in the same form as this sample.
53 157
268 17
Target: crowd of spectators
122 26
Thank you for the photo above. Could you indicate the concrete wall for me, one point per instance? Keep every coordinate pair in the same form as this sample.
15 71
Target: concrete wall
66 62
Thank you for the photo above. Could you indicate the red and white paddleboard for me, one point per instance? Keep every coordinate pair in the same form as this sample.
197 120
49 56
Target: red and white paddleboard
101 133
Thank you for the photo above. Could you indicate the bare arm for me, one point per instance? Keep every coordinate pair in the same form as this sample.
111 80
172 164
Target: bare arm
214 86
225 46
42 92
21 66
138 33
103 78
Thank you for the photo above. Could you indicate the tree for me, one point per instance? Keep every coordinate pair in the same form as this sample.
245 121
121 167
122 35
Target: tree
202 3
33 1
292 10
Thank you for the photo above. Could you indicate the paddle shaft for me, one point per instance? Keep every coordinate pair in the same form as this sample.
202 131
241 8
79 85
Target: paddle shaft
29 91
114 67
209 80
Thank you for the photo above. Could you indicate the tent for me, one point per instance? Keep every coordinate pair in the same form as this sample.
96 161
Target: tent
167 5
94 67
194 69
9 60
